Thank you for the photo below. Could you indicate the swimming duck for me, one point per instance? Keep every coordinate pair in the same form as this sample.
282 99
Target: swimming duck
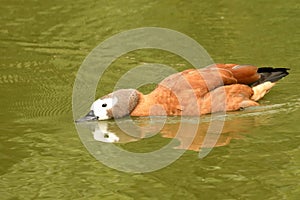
193 92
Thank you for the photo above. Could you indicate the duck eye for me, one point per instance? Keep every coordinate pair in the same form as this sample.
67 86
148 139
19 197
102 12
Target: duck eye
106 135
104 105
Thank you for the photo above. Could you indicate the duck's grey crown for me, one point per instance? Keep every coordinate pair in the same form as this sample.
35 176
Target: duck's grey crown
127 99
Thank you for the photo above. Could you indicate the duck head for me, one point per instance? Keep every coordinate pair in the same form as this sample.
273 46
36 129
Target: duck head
114 105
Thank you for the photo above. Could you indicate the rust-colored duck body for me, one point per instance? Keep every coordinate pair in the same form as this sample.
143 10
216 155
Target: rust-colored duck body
193 92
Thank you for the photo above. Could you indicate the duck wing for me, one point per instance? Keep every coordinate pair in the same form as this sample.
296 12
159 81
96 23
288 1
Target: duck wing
183 93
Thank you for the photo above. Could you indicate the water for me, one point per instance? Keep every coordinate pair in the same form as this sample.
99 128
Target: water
43 44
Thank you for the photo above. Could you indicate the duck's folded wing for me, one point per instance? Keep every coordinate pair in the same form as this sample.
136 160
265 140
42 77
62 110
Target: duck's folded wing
244 74
212 89
198 81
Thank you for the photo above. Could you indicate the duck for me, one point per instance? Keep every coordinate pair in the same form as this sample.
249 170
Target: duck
192 92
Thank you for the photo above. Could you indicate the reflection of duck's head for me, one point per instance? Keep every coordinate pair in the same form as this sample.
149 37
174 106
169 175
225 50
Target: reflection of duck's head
109 131
102 134
114 105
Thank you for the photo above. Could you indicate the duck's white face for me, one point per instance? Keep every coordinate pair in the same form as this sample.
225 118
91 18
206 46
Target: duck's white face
114 105
102 107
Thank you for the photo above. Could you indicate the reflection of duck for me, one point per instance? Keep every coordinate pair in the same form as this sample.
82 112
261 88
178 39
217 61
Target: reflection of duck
193 92
194 141
192 138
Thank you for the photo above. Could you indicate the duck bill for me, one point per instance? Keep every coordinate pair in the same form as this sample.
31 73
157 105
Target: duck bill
89 117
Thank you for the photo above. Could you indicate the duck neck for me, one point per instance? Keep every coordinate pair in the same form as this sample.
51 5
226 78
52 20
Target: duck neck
145 103
158 102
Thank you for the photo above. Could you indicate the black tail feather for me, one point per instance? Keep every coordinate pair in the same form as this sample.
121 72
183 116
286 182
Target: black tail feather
270 74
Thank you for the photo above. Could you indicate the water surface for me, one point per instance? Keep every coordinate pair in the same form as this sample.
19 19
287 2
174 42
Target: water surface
43 44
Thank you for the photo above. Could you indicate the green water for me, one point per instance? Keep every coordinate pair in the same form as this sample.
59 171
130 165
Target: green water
43 44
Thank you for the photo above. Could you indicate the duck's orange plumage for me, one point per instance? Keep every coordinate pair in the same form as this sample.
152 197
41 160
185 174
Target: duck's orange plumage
216 88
